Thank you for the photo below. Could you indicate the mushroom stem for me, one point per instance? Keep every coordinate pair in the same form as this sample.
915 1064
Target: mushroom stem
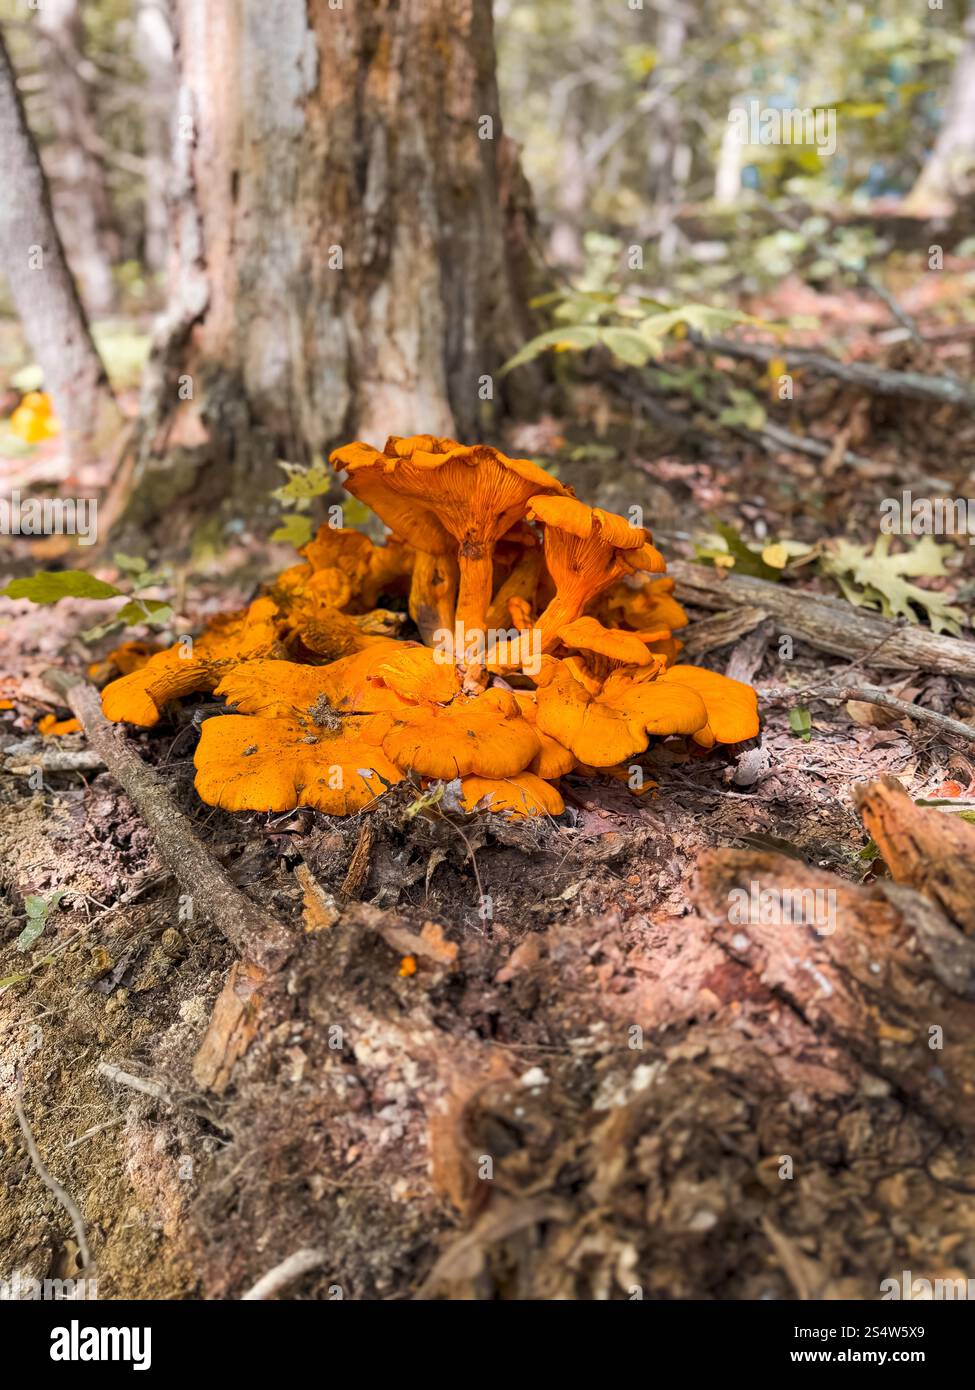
433 591
476 585
520 583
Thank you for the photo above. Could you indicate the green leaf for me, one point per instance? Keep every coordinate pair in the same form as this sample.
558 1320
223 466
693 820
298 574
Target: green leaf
800 722
144 610
48 586
37 914
747 561
131 564
877 579
628 346
151 611
295 529
304 483
576 338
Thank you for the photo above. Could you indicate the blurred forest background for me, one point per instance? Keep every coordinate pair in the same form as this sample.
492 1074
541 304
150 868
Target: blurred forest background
621 116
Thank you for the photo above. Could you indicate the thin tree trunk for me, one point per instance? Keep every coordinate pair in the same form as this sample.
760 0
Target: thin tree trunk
340 263
949 171
80 190
44 294
154 45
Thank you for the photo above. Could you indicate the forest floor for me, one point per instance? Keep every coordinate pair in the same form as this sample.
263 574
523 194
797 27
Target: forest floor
601 1091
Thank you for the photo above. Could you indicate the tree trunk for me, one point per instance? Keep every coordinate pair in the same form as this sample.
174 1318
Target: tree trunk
948 171
154 50
341 267
44 294
81 197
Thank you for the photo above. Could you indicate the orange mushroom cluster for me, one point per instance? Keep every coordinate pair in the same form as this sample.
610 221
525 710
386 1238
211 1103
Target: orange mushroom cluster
545 646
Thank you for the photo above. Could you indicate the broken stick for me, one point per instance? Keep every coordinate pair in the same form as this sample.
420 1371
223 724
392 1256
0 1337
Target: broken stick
255 935
829 624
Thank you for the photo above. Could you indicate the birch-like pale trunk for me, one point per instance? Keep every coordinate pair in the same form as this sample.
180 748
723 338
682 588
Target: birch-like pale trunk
44 294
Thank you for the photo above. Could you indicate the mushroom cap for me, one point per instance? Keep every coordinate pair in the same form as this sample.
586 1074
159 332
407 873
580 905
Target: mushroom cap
369 479
552 760
140 697
245 763
398 446
368 569
524 795
568 514
484 734
476 493
606 729
588 634
732 706
651 605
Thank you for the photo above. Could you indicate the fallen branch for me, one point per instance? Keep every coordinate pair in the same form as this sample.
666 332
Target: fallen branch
924 849
878 380
255 935
829 624
873 695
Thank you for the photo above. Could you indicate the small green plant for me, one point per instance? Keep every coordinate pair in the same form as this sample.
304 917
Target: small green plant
38 910
49 586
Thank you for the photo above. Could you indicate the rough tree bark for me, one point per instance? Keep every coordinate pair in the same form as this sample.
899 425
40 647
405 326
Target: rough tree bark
44 294
341 266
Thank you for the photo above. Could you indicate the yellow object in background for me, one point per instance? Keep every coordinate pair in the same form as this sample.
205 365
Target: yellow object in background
34 419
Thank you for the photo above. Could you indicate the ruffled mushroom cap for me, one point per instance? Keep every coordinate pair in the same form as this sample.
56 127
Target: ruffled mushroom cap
589 635
250 764
524 795
732 706
390 677
484 734
140 697
650 606
476 493
552 760
586 550
612 726
367 569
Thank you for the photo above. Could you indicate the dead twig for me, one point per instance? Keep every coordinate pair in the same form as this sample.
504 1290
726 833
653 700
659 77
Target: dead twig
874 695
278 1278
112 1072
53 1186
880 381
254 934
